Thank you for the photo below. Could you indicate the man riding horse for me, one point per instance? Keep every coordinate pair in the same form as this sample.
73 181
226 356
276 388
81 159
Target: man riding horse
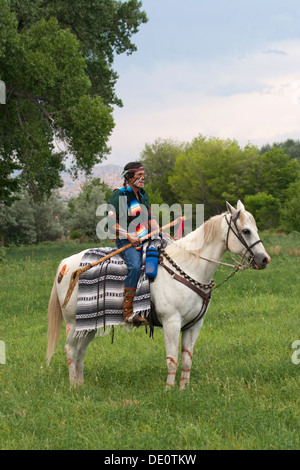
130 218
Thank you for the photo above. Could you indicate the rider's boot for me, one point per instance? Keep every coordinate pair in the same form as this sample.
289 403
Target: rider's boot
137 320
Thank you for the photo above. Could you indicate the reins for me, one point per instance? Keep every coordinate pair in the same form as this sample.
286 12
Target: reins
239 267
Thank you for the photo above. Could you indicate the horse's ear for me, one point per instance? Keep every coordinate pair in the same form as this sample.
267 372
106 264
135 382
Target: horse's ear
240 206
236 216
230 208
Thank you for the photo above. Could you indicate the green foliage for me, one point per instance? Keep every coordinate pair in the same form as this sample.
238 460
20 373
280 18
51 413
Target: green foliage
82 210
211 171
17 224
75 235
290 213
3 253
88 116
154 193
9 184
103 27
56 61
274 171
49 219
8 32
158 161
48 94
291 147
265 208
25 222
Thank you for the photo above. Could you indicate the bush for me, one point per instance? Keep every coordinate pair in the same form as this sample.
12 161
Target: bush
82 217
17 223
2 253
26 222
75 235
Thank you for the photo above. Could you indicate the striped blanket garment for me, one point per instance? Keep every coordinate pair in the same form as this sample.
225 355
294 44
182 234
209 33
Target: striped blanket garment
101 289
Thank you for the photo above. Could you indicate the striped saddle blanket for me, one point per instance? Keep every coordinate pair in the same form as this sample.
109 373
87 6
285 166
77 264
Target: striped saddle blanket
101 289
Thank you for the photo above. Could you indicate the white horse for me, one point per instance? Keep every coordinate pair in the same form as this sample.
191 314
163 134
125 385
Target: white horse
178 305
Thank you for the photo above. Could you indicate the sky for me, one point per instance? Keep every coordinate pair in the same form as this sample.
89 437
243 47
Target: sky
220 68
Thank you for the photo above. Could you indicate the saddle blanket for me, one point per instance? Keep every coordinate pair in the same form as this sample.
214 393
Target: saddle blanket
101 289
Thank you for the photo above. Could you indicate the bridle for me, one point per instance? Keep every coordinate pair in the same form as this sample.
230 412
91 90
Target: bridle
237 232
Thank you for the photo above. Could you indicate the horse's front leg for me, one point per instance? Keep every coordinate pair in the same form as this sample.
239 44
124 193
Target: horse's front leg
188 341
171 330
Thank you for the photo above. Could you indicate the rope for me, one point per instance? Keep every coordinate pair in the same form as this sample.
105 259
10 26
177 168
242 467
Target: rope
241 266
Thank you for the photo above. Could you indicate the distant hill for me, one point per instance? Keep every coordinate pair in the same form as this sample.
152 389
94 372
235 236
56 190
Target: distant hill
110 174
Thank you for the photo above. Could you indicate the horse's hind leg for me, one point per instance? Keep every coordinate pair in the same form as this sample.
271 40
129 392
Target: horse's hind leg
81 350
71 352
188 341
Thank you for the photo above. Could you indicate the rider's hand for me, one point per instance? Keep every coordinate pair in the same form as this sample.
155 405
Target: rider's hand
133 239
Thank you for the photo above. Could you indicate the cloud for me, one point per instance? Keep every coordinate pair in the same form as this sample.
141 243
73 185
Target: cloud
253 98
275 51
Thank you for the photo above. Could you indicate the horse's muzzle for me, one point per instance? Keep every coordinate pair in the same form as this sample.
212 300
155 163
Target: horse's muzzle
260 261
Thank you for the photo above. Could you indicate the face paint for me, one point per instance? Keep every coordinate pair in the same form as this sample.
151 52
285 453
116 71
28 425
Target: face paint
139 183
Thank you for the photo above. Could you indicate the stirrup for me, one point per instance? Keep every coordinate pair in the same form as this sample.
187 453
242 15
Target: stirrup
137 320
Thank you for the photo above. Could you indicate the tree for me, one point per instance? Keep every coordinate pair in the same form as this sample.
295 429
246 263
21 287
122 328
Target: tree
103 28
17 224
82 216
291 147
49 217
211 171
24 222
290 214
273 172
9 185
56 61
158 161
265 208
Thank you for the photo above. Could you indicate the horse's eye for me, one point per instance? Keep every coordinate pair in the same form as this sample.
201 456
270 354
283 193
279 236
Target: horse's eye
246 231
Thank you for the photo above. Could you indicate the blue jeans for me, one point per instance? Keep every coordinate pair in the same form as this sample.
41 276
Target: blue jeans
133 260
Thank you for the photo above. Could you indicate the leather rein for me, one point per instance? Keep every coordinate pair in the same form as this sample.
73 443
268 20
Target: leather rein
198 286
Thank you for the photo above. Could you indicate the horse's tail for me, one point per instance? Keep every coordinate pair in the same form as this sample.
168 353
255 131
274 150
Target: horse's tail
54 322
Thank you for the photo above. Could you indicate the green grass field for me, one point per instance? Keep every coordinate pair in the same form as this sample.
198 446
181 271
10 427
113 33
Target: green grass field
244 391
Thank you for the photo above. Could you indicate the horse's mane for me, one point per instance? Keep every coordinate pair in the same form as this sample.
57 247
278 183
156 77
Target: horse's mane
194 242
